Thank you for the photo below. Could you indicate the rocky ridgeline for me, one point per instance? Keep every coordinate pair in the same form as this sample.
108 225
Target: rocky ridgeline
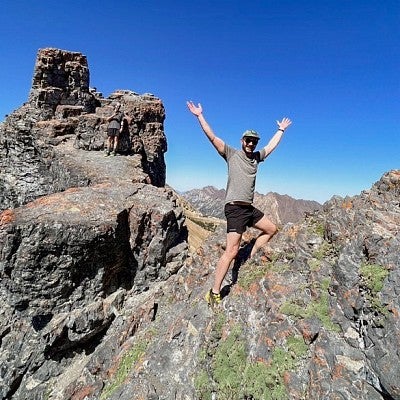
99 298
317 316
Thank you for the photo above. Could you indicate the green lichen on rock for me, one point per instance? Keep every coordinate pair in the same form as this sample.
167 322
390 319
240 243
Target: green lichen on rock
314 264
124 368
252 272
316 226
372 278
323 250
231 373
203 385
318 307
229 364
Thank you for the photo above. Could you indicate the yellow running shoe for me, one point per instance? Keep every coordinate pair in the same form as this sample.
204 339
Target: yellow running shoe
212 299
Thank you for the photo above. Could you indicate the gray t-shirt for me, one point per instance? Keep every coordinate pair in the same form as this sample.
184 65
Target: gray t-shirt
115 123
242 172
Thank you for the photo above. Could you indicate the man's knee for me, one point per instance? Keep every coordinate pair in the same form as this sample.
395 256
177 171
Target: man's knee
231 251
266 226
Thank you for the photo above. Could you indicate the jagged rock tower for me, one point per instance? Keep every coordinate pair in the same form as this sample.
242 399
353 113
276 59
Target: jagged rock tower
63 108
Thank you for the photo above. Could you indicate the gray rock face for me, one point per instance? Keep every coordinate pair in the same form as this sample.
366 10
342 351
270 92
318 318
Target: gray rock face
67 262
314 317
208 200
78 231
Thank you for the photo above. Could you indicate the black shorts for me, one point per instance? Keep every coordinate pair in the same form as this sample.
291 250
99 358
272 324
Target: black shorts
113 132
238 217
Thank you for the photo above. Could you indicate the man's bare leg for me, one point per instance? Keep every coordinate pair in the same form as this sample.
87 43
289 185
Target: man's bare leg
115 146
268 229
232 248
111 143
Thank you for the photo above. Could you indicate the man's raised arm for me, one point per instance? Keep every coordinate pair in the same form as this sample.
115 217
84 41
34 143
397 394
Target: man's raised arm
198 112
282 126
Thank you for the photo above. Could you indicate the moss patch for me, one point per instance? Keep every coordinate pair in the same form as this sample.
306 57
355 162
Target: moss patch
125 366
373 277
323 251
252 272
316 227
314 264
232 375
318 308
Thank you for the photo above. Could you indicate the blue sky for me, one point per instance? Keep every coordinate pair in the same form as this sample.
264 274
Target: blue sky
330 66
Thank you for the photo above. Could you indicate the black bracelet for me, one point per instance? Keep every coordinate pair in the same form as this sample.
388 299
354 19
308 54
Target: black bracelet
280 129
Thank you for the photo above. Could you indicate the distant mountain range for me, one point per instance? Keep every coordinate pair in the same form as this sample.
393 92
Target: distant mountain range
281 209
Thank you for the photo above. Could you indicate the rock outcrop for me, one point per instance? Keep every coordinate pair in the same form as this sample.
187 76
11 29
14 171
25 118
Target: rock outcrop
78 231
99 298
315 317
63 108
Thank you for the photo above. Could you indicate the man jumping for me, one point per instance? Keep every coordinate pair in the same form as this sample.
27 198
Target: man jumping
239 211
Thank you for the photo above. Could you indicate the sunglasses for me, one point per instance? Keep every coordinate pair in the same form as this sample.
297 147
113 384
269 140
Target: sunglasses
249 140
